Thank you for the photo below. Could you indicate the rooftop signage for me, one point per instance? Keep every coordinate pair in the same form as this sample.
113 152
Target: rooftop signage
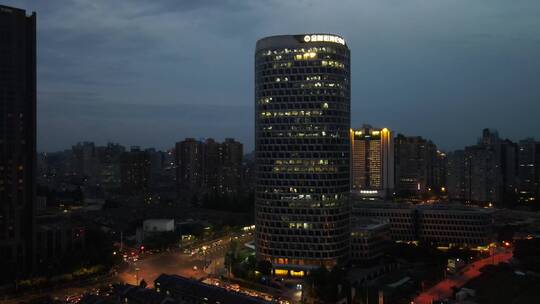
323 38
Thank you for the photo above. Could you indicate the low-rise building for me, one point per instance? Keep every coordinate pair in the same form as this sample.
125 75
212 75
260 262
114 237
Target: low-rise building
57 236
369 239
442 224
192 291
158 225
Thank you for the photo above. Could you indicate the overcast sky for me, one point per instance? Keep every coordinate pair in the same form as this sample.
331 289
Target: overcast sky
150 73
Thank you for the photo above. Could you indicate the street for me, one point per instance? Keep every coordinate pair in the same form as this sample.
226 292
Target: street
443 289
148 267
189 265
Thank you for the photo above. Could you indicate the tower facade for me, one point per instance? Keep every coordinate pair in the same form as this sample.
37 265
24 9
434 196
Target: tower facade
17 141
302 149
372 157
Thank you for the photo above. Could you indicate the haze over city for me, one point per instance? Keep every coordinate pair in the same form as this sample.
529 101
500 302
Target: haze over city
269 152
127 71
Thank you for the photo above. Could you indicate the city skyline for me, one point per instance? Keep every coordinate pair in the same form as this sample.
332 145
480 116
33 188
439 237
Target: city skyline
103 83
318 210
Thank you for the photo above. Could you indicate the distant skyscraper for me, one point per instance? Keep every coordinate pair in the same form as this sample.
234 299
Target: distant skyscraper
209 167
372 167
85 161
483 180
414 164
109 164
212 154
485 172
528 171
457 185
302 122
440 172
17 141
190 164
135 171
231 166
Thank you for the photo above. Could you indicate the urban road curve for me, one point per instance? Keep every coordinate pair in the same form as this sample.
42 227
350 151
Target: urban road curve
443 289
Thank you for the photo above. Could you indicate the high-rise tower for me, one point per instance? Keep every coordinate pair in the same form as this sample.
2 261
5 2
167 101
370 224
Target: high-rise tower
17 141
372 162
302 121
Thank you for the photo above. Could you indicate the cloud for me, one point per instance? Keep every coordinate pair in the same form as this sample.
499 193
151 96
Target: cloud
441 69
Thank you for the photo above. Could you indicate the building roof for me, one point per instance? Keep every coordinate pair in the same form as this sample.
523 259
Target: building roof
367 224
430 207
283 41
198 290
136 294
158 221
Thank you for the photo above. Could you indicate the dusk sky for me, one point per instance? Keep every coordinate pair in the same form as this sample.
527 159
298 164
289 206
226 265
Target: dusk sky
151 73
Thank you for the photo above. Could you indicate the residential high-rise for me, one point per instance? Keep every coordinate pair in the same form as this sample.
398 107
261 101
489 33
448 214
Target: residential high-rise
135 171
485 172
109 164
302 147
210 167
231 166
372 162
440 173
457 186
212 154
17 142
483 180
528 171
415 158
189 164
85 161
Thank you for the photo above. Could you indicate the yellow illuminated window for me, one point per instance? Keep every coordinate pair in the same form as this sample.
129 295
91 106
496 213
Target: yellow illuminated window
297 273
281 272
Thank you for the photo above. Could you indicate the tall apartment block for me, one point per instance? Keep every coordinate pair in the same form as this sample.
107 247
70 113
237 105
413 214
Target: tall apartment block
302 147
372 162
17 142
528 171
415 158
485 172
209 166
189 164
135 171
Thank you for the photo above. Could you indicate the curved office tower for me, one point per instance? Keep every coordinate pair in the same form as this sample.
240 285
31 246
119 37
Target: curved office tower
302 121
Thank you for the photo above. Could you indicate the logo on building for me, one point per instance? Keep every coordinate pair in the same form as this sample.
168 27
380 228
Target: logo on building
324 38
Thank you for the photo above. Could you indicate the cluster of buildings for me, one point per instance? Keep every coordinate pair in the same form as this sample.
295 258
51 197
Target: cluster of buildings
324 191
308 160
110 168
192 167
384 166
496 171
209 166
87 173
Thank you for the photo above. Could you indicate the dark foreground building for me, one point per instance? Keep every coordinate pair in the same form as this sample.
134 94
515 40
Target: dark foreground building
302 122
190 291
17 141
